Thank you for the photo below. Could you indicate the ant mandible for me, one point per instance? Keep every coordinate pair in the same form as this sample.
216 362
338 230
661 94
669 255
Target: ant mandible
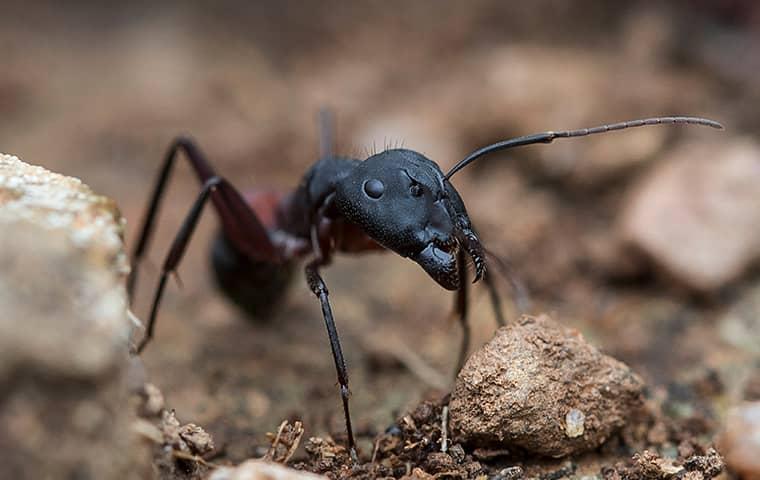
396 199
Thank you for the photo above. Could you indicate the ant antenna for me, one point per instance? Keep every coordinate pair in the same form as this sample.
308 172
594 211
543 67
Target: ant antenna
548 137
326 133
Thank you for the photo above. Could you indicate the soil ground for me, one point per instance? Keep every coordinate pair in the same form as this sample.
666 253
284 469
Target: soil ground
98 92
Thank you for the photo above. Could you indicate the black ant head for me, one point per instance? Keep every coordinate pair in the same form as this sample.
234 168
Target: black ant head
405 203
401 200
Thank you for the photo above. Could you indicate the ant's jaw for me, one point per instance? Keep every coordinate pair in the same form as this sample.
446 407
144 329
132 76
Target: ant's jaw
440 262
474 249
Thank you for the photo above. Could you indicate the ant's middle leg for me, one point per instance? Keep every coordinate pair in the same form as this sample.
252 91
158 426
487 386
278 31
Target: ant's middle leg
520 295
493 294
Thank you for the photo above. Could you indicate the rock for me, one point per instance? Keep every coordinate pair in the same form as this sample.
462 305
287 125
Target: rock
540 387
63 265
520 93
510 473
752 385
152 401
261 470
696 214
63 331
739 325
740 441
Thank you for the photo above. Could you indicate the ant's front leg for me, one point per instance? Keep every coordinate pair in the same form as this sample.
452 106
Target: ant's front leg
318 287
461 310
461 300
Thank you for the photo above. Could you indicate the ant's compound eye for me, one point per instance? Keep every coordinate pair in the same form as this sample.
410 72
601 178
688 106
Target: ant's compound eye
415 190
374 188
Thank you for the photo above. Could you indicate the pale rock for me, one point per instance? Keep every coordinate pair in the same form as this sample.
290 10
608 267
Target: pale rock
63 331
261 470
740 441
697 214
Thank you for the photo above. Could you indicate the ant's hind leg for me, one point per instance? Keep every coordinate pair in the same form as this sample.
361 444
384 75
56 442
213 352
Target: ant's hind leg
176 252
239 222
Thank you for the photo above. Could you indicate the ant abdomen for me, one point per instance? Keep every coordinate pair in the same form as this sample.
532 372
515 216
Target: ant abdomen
256 287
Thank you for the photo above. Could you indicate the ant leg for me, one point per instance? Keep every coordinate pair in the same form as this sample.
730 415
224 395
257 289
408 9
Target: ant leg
176 252
318 287
461 310
493 293
520 294
239 222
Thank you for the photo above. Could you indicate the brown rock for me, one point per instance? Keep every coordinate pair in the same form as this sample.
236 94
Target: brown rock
540 387
740 441
260 470
63 331
697 214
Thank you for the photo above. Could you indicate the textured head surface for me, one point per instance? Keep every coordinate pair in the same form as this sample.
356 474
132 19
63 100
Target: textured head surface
400 199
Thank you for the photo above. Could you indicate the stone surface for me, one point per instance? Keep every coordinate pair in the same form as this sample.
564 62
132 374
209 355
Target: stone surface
519 390
62 301
740 441
63 331
739 324
260 470
696 215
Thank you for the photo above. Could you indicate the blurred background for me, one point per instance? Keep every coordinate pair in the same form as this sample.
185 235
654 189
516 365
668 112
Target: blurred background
647 240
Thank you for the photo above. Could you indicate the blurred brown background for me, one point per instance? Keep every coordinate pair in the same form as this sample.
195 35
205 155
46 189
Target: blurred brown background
98 90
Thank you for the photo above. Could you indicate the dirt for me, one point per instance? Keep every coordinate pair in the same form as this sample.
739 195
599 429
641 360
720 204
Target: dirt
419 445
98 93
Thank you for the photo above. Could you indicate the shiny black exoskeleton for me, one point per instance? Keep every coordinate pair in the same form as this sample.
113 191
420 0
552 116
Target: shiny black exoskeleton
397 200
403 201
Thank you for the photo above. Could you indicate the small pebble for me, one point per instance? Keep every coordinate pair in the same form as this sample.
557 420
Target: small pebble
261 470
574 421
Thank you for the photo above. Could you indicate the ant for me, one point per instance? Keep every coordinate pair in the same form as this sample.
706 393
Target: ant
397 200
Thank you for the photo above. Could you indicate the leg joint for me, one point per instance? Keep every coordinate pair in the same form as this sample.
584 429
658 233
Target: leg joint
344 391
316 284
184 140
212 182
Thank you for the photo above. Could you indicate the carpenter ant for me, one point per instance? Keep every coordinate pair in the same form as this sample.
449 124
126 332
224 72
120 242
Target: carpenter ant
396 199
